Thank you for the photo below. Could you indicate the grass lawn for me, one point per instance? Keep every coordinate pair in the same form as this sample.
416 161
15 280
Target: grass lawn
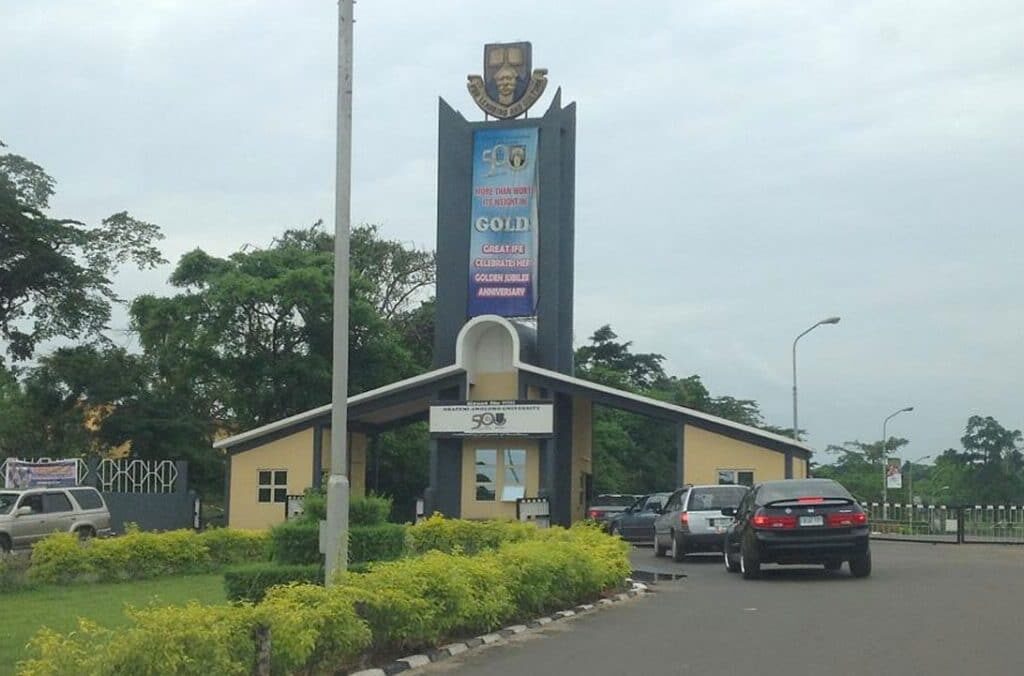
23 613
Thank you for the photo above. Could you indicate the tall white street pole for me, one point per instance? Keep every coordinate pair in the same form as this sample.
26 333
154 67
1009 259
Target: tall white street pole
830 320
885 462
336 537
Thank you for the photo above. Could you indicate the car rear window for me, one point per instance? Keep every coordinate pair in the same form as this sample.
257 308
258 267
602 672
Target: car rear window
615 500
87 498
7 501
802 488
719 497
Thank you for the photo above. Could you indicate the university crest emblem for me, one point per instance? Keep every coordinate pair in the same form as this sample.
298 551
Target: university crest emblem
507 88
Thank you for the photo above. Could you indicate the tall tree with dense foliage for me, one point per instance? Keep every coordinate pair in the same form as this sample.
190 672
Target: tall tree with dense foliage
55 274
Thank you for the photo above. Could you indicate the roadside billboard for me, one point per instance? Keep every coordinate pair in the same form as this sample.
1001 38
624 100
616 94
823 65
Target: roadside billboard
27 474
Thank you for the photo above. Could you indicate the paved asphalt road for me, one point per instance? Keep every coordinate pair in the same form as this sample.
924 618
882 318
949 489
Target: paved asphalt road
926 609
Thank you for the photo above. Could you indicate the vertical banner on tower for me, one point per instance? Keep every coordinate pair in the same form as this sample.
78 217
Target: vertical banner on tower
503 244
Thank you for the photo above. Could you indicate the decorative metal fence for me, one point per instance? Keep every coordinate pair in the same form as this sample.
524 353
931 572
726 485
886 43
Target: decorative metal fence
981 524
137 476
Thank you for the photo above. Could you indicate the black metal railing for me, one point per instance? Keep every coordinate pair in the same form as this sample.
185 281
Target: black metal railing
960 524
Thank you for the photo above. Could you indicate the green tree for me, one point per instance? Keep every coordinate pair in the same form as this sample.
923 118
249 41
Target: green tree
55 274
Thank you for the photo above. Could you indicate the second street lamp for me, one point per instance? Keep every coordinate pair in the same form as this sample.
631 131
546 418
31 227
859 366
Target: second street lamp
910 490
830 320
885 461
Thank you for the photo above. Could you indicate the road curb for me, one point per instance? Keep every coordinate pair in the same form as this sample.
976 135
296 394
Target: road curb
450 650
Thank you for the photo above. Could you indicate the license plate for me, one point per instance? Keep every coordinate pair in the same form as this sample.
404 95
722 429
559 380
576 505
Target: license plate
816 520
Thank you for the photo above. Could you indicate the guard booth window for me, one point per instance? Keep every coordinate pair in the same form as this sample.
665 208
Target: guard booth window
735 477
273 485
500 473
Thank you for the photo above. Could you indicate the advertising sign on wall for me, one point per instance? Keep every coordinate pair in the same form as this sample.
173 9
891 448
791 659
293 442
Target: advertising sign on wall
486 418
503 241
24 474
893 473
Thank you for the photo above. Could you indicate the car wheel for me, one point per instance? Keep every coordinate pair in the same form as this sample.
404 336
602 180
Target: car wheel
658 549
730 565
85 533
614 530
678 549
833 565
750 564
5 544
860 564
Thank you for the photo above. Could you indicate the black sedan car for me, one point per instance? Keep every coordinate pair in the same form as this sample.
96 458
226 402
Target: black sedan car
797 521
636 523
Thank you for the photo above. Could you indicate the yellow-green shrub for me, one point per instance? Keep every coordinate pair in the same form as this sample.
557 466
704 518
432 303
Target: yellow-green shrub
313 629
183 640
469 537
61 558
233 545
411 603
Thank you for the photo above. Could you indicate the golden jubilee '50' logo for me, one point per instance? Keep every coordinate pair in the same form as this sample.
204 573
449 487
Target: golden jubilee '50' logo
507 88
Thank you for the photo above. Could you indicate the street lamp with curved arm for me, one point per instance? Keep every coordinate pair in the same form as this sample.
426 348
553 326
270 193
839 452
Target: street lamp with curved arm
830 320
885 459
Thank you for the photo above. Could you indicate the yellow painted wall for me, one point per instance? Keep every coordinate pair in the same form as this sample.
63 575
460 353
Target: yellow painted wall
582 454
470 507
494 386
707 452
799 468
357 464
357 445
293 453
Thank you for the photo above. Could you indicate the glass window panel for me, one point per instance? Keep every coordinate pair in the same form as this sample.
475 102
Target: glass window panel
281 478
745 478
486 456
515 456
264 477
726 477
264 495
485 491
280 494
512 493
486 474
515 476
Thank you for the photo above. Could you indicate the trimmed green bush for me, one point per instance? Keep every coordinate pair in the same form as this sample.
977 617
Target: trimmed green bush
372 510
383 542
410 603
296 542
62 558
232 546
470 537
250 583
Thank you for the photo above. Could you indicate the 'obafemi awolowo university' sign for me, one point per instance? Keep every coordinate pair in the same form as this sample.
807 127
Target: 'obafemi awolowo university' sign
507 88
492 418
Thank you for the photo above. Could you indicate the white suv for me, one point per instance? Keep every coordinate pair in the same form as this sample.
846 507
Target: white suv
30 514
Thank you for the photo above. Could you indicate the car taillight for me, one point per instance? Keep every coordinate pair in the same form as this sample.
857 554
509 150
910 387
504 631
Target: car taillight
810 501
773 521
846 519
595 514
684 519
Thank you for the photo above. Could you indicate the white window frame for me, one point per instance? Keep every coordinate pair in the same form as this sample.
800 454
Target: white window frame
273 486
503 491
735 475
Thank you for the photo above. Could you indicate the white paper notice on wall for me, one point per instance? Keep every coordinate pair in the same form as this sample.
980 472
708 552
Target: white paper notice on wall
512 493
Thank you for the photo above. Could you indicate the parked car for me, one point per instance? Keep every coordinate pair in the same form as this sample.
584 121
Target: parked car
605 506
692 521
797 521
636 523
30 514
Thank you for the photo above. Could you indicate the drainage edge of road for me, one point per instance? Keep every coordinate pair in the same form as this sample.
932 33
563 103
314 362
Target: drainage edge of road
445 652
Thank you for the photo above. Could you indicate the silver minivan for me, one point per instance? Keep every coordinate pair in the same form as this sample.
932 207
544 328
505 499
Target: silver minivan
30 514
692 520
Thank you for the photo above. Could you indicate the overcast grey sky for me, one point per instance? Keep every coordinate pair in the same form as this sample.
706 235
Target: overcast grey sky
743 168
